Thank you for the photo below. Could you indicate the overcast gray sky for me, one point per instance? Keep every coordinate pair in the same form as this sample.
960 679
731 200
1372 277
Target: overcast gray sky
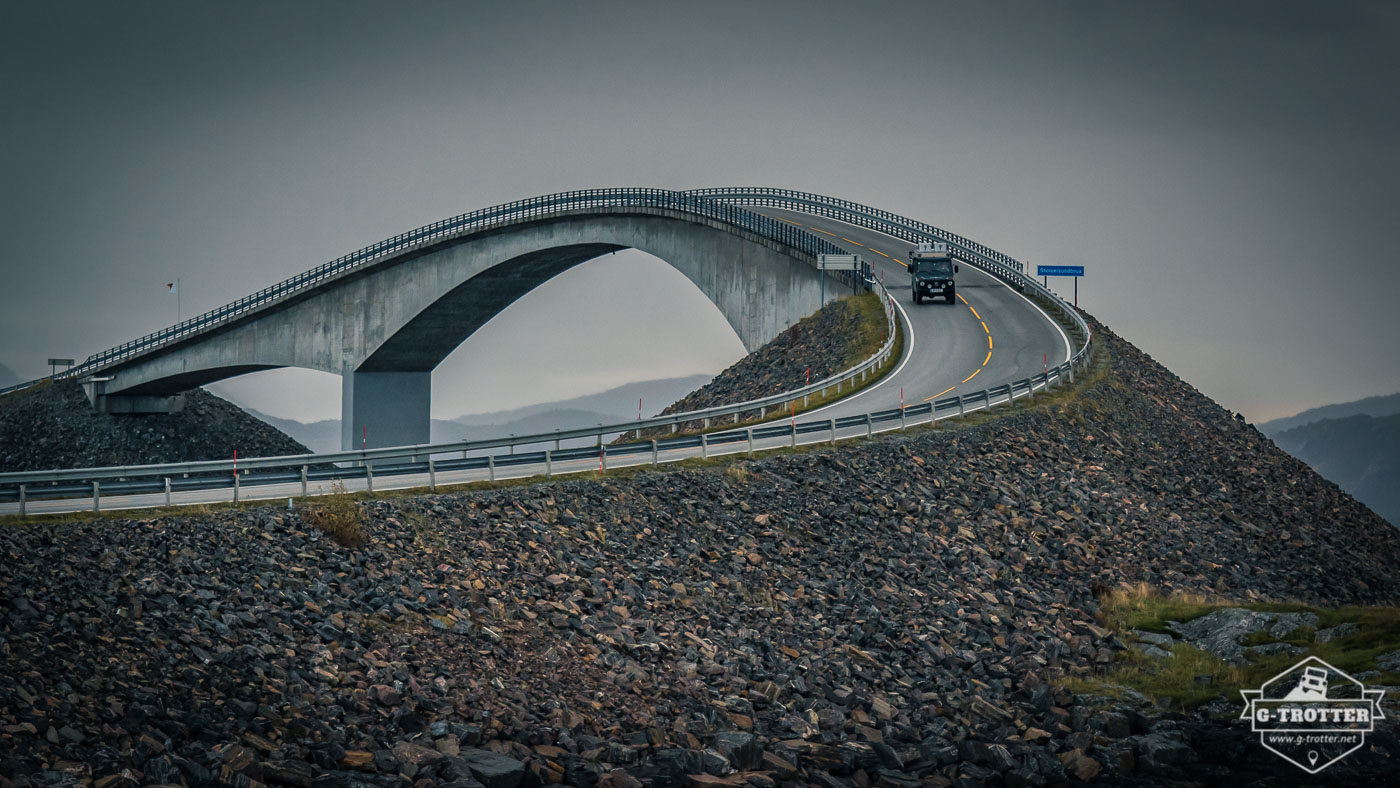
1226 174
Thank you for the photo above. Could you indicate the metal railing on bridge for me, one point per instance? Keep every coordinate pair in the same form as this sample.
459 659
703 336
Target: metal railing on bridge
486 218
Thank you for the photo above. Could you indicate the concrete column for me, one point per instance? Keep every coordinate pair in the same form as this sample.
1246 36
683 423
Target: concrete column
384 409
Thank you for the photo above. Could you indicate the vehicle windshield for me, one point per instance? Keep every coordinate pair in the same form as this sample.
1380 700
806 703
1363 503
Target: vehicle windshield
941 268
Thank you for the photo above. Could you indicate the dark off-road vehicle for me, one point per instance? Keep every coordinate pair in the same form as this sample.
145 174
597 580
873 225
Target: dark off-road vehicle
931 271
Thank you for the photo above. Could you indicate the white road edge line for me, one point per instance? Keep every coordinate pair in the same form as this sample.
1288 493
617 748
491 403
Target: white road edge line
908 354
1046 315
999 280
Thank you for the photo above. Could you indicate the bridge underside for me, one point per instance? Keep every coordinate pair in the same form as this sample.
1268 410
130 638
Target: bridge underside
385 328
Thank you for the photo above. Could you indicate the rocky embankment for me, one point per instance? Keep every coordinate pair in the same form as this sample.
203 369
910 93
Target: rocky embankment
819 346
52 426
894 612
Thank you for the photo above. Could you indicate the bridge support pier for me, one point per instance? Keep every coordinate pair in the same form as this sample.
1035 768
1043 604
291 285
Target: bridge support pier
129 403
379 409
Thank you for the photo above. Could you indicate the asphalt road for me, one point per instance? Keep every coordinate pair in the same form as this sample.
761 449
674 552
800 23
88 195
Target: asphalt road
990 336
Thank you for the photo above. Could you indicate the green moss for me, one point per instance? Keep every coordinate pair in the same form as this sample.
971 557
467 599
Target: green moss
1172 681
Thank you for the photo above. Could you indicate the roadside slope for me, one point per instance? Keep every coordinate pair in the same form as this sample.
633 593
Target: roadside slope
833 339
894 610
52 426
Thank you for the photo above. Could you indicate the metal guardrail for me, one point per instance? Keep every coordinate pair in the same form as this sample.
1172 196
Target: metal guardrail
370 462
486 218
849 378
993 262
291 470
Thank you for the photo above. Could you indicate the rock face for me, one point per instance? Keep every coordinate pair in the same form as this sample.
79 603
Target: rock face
52 426
891 612
1222 632
818 347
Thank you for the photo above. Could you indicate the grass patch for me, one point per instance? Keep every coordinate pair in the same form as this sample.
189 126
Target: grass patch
339 516
870 321
1173 681
1140 607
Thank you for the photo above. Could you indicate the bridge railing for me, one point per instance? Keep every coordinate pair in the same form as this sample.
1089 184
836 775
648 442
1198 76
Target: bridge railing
411 459
17 485
509 213
1001 265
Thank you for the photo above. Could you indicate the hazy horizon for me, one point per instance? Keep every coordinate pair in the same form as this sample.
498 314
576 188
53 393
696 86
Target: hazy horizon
1225 173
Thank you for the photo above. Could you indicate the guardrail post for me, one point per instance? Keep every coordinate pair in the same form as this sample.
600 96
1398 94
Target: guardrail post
167 491
235 486
1011 392
962 409
491 467
22 499
432 475
831 423
96 495
556 441
869 426
903 421
804 401
653 453
303 481
705 424
748 433
602 457
369 477
704 446
548 464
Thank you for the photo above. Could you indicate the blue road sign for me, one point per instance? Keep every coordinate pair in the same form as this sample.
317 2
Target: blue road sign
1059 270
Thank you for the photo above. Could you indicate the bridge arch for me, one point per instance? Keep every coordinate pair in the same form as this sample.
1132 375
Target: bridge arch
386 326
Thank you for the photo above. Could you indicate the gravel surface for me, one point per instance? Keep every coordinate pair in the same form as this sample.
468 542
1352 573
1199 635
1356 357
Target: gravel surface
52 426
891 612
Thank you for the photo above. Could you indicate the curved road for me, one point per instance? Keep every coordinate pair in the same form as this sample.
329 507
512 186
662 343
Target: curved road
991 335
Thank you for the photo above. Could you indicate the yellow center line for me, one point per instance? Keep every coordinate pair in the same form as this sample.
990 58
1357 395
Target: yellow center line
849 241
985 360
989 343
877 251
789 221
945 391
973 375
833 235
969 306
974 311
984 328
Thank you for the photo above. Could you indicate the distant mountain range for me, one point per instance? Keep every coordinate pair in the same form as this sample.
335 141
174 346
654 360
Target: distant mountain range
1355 444
1371 406
608 407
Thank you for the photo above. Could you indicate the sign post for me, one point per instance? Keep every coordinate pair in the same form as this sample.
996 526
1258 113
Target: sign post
1075 271
55 363
838 262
